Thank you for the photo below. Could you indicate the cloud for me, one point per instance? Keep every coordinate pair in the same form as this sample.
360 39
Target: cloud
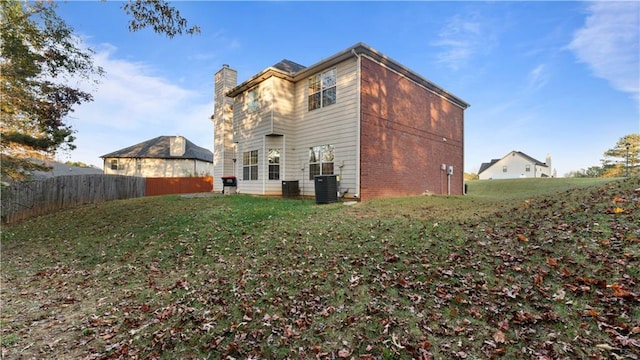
461 38
609 43
132 95
538 77
133 104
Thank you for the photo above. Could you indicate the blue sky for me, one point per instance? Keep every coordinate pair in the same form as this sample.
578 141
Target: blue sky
557 78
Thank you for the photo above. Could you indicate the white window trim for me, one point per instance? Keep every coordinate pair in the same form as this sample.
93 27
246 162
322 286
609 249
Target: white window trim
321 161
269 164
250 166
322 88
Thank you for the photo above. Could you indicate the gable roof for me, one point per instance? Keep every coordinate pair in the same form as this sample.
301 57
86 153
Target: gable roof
485 166
160 148
291 71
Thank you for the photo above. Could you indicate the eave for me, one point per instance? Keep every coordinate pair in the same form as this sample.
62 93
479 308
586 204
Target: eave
359 49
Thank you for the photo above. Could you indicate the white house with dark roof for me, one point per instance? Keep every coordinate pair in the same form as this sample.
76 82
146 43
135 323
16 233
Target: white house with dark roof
163 156
514 165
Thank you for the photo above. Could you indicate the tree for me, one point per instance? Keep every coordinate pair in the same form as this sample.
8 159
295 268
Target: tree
593 172
38 55
590 172
623 159
157 14
471 176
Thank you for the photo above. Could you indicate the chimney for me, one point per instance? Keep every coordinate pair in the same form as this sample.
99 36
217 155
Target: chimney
223 147
551 172
225 79
177 146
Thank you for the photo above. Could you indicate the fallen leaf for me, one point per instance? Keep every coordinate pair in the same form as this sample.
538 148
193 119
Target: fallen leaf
344 353
592 312
619 291
559 295
499 351
499 337
605 347
618 199
107 336
552 262
394 340
504 325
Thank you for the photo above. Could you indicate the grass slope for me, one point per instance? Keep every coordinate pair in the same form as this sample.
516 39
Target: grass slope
547 270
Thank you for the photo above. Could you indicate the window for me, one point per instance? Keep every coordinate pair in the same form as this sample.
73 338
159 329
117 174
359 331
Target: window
321 160
114 164
274 164
504 169
252 100
527 168
250 165
322 89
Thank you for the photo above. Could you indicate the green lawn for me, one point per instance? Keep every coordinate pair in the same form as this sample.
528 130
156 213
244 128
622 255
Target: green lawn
526 269
517 188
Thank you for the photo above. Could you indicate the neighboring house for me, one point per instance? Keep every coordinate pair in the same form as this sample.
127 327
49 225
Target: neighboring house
62 169
515 165
382 128
164 156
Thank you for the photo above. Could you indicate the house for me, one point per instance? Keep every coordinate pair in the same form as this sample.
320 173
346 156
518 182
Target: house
163 156
61 169
381 128
515 164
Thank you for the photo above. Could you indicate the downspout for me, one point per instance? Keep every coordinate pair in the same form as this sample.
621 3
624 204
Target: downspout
265 172
358 121
265 160
272 100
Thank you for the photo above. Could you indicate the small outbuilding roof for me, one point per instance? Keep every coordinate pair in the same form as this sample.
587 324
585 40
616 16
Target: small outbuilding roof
160 148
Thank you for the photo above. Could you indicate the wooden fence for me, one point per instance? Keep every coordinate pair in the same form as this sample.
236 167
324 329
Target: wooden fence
32 198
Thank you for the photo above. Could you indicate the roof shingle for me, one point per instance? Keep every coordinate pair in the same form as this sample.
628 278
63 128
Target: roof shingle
160 148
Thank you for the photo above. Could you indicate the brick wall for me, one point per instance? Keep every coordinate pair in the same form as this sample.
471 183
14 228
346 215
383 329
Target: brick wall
407 132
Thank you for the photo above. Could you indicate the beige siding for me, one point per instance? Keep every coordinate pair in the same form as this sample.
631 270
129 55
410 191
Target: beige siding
285 124
335 124
159 167
283 92
249 131
284 121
